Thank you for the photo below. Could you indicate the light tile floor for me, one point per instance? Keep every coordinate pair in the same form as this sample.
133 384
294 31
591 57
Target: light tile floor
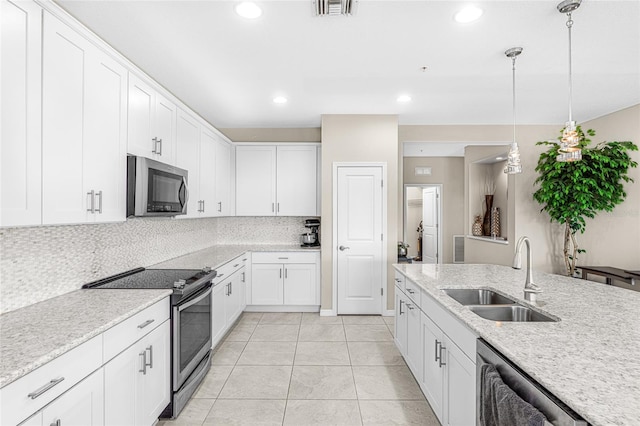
303 369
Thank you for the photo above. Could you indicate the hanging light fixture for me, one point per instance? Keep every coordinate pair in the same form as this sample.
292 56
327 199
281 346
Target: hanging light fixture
513 161
570 143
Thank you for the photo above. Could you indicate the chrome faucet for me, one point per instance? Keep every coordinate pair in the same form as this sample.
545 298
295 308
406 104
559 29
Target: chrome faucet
530 289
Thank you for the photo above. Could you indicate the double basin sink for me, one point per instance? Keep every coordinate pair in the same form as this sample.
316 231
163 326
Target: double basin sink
493 306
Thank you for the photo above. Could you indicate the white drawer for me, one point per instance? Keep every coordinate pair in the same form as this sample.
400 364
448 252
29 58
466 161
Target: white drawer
284 257
399 280
129 331
30 393
413 291
464 338
226 270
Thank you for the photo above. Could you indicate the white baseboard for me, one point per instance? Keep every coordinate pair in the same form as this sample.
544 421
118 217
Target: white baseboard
282 308
389 313
327 313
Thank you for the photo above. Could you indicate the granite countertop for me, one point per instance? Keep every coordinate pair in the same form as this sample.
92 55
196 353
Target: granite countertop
35 335
588 359
218 255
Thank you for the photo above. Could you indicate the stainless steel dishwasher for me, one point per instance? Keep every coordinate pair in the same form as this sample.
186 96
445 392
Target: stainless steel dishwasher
557 413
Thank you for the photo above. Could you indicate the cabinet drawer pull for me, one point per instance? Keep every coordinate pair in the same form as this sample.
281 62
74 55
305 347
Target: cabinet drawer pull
99 194
219 275
43 389
284 258
150 364
440 360
236 265
398 280
143 354
410 306
146 323
219 206
410 291
401 302
437 350
92 204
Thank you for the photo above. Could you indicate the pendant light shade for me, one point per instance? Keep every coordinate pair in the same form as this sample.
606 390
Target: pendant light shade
513 161
570 142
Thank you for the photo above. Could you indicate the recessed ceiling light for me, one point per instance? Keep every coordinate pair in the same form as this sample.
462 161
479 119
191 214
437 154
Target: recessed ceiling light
248 9
279 100
468 14
404 98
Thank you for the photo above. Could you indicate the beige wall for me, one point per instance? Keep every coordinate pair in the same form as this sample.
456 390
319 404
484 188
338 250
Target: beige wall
358 138
448 171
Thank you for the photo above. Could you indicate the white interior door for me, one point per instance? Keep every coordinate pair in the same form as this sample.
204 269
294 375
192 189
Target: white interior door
359 240
430 224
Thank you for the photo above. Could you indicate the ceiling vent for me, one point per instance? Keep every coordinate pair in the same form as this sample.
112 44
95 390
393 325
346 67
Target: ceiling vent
335 7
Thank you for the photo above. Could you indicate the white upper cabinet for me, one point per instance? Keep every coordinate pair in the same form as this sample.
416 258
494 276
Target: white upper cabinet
83 129
296 180
20 148
256 180
276 180
152 123
188 158
223 160
208 205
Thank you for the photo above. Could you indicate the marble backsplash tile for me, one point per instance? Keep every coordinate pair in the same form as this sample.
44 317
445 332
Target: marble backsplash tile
38 263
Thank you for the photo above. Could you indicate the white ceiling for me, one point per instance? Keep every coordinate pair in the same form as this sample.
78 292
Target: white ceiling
229 69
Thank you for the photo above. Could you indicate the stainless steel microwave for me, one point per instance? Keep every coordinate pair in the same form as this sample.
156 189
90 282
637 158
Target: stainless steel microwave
155 188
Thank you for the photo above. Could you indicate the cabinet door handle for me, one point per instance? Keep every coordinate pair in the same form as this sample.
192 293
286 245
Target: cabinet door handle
236 265
56 423
401 302
220 206
160 143
441 358
280 272
92 202
146 323
273 207
202 206
398 280
410 291
230 289
285 273
243 278
437 350
219 275
36 393
155 145
150 364
99 194
278 209
143 354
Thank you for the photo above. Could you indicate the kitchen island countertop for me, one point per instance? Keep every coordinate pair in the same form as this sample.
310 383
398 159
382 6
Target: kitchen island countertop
588 359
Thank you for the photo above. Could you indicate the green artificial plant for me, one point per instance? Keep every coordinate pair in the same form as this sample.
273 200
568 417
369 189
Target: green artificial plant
573 191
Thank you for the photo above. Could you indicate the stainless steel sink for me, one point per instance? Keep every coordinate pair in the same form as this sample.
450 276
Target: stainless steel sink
477 296
514 313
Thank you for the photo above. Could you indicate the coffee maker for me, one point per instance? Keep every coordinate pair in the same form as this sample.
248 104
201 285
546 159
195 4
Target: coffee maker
311 238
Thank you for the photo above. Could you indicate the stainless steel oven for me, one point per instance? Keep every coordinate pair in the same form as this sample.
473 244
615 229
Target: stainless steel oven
191 344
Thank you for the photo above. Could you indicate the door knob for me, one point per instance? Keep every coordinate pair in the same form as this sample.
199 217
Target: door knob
343 248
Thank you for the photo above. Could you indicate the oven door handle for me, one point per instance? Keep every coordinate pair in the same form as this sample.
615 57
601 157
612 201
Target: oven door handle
194 301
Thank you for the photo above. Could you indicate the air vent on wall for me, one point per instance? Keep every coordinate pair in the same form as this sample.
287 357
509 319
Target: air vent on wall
335 7
458 249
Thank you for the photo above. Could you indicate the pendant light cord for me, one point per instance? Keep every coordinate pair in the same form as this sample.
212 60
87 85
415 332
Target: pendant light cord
569 25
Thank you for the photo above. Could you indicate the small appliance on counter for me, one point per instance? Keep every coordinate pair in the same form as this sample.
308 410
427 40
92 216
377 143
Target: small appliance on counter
311 238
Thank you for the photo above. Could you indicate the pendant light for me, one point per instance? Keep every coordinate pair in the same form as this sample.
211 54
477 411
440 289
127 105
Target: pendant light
570 143
513 161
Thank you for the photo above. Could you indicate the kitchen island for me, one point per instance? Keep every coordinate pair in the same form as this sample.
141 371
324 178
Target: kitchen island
587 359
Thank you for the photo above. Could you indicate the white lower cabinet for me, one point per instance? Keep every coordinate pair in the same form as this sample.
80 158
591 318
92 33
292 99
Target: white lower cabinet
430 339
285 278
228 297
82 405
137 381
